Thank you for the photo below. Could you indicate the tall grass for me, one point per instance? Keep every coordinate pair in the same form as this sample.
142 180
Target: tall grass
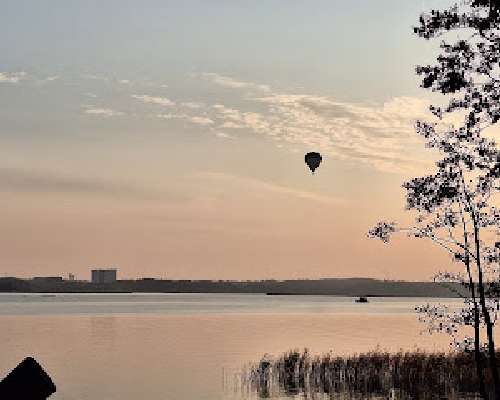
404 375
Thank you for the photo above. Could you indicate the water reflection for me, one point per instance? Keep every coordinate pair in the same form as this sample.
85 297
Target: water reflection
95 348
103 330
102 324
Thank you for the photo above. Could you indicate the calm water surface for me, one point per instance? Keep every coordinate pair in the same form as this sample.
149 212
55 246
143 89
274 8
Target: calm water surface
189 346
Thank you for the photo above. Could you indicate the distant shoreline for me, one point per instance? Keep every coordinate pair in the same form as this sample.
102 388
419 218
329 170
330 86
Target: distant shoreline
345 295
348 287
257 293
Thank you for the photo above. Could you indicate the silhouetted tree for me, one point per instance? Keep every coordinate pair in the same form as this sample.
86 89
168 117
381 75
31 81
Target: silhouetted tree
454 204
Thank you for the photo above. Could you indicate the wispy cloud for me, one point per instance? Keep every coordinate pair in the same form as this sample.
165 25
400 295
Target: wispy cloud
378 133
201 121
373 133
19 180
381 135
229 82
16 180
173 116
236 119
256 185
12 77
232 125
103 112
198 120
95 77
47 80
162 101
192 105
223 135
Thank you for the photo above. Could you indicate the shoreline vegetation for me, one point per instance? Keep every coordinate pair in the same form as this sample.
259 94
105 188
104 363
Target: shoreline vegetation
349 287
417 375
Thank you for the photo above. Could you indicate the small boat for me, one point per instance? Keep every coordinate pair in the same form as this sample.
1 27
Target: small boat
362 299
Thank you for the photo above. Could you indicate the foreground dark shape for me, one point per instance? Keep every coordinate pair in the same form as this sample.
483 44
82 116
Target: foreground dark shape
404 375
28 381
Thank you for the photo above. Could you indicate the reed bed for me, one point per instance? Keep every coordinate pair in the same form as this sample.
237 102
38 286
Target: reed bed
416 375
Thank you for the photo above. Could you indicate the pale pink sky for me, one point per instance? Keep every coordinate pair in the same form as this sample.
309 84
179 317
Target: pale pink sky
171 143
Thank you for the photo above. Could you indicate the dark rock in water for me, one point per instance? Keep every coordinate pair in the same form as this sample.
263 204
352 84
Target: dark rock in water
28 381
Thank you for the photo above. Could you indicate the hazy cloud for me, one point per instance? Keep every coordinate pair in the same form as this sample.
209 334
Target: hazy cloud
95 77
229 82
44 182
198 120
12 77
232 125
162 101
223 135
201 121
192 105
173 116
104 112
34 181
373 133
257 185
377 134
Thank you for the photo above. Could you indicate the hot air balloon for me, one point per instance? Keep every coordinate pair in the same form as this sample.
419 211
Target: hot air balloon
313 160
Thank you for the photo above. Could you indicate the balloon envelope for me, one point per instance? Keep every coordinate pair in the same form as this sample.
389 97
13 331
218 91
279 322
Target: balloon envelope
313 160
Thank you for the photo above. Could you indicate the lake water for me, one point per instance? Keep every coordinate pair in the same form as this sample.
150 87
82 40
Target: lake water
189 346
